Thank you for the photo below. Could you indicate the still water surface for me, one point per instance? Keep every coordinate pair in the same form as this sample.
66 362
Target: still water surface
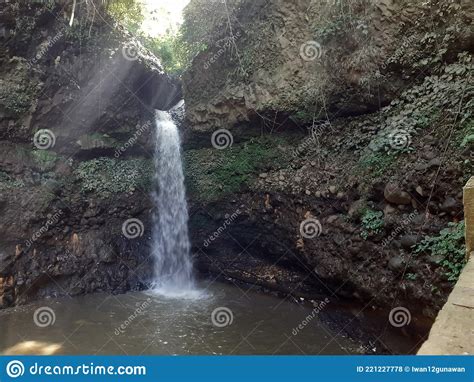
147 323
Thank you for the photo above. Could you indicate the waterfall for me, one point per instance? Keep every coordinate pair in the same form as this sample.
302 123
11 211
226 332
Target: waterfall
173 274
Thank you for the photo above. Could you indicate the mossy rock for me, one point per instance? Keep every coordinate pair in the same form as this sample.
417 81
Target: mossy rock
212 173
107 176
7 182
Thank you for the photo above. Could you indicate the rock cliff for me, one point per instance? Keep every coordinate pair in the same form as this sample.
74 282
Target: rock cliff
344 146
76 127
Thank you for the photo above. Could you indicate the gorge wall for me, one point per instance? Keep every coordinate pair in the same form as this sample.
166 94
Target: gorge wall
325 148
76 125
350 117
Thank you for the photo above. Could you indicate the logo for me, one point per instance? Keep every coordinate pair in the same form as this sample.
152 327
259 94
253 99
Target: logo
15 369
44 139
130 53
311 50
399 317
133 228
310 228
399 139
222 139
44 317
222 317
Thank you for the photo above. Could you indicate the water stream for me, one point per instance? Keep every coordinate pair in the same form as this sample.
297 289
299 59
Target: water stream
171 247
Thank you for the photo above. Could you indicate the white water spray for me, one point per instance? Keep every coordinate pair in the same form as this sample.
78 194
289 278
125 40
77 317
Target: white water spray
171 247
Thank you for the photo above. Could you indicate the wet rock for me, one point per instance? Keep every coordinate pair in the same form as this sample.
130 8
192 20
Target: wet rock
54 186
429 154
388 210
396 263
394 194
435 259
421 167
451 205
107 256
436 162
408 241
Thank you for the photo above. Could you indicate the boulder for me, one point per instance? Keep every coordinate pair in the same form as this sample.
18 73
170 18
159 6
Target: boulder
408 241
395 195
451 205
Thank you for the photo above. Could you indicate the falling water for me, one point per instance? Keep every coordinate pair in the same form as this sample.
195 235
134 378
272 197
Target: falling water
171 248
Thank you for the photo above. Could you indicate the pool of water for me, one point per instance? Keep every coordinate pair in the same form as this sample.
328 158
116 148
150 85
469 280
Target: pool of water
222 319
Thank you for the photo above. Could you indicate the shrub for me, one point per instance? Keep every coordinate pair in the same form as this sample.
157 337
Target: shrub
44 159
372 223
107 176
449 245
211 173
7 182
167 49
376 162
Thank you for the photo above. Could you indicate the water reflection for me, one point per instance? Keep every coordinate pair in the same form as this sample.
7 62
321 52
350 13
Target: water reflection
146 323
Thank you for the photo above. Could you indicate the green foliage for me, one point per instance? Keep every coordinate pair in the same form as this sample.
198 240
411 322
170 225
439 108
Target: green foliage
200 29
433 103
107 176
376 162
304 116
16 98
449 245
468 139
7 182
205 25
44 159
337 18
127 12
168 49
372 223
212 173
467 133
242 163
